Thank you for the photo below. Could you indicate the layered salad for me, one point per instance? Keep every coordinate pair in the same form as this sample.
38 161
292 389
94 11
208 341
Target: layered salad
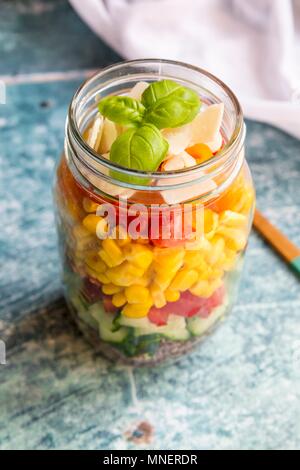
144 291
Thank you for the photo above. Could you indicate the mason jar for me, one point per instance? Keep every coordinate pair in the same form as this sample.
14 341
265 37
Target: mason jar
144 285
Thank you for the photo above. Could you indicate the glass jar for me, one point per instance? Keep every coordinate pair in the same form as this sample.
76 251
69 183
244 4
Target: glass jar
141 287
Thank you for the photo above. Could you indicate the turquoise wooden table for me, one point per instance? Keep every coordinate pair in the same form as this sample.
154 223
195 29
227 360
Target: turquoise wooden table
241 389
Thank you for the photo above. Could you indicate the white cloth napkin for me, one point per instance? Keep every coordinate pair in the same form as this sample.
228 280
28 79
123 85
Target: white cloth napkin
252 45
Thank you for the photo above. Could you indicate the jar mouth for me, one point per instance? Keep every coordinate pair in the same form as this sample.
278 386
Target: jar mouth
164 69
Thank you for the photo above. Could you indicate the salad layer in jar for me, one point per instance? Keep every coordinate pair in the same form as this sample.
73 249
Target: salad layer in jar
143 284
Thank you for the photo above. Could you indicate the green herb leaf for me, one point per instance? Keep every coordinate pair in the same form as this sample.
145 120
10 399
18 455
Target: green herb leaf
122 110
169 104
141 149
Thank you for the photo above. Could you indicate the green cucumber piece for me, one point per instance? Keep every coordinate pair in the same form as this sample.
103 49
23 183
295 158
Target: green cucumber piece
135 322
87 318
82 310
198 326
175 329
106 325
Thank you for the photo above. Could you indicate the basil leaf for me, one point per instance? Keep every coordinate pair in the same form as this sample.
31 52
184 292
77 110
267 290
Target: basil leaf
122 110
141 149
159 90
169 104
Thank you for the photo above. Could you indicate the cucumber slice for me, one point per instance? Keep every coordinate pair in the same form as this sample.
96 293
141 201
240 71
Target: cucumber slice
87 318
82 310
175 329
198 326
135 322
106 325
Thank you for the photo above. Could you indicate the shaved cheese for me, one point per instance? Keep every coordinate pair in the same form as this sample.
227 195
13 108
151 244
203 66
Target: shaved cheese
178 139
95 133
179 162
109 135
207 124
173 164
188 160
138 90
215 144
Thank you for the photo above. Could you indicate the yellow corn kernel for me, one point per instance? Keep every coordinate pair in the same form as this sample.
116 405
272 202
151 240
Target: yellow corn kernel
221 259
136 310
244 200
90 222
89 205
163 278
103 278
206 288
140 255
172 295
205 274
235 239
113 251
137 294
110 289
184 280
119 299
202 289
158 296
230 260
248 201
95 263
194 260
169 258
121 236
102 229
216 274
167 263
233 219
135 271
124 275
201 244
215 284
106 258
211 221
167 270
144 280
216 251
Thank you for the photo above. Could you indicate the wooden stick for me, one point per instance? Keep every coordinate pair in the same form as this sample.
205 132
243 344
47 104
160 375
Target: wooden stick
287 249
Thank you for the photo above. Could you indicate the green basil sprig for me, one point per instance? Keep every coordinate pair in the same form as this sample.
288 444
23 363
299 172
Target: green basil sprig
122 110
164 104
142 148
169 104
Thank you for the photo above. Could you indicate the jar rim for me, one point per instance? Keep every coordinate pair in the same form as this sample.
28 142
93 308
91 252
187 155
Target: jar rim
202 170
